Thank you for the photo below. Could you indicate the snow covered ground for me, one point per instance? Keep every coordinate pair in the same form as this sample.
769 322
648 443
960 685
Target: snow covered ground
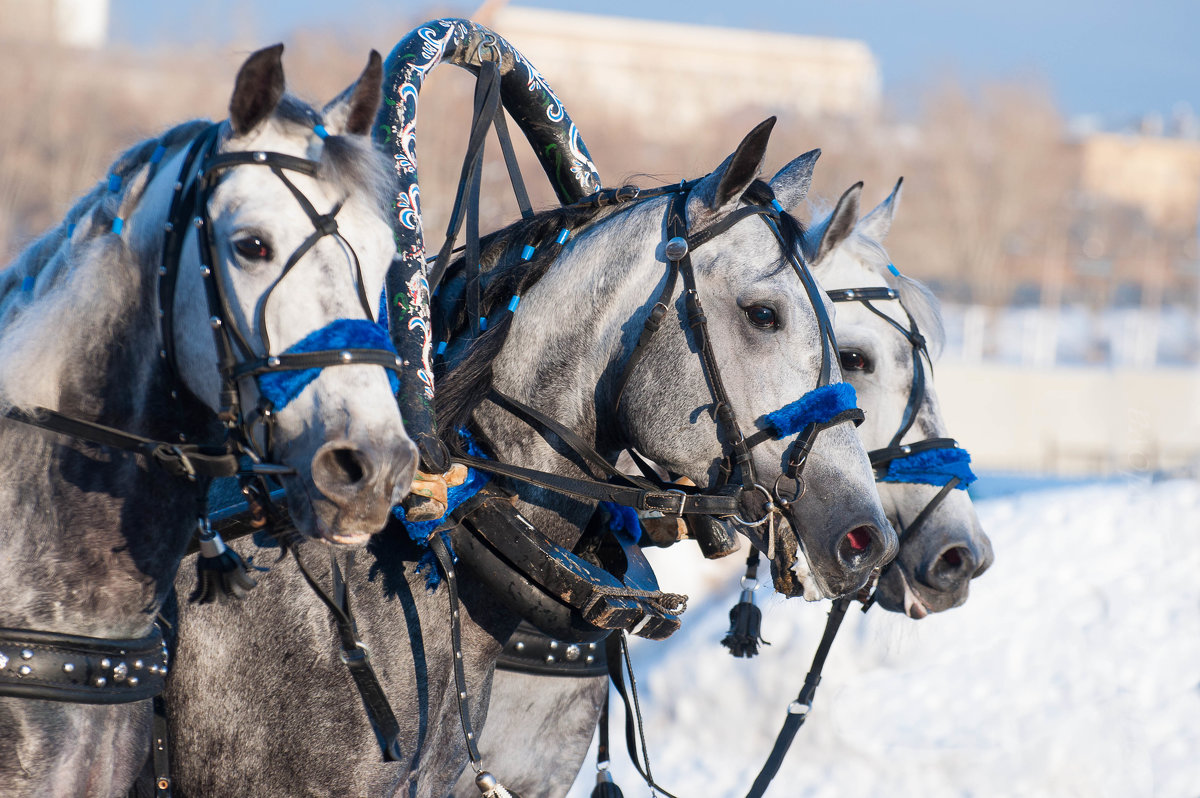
1073 670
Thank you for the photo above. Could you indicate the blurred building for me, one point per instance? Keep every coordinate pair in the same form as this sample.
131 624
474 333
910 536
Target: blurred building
681 73
1158 175
72 23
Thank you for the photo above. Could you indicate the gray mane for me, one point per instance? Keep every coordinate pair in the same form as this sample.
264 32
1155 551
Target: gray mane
504 274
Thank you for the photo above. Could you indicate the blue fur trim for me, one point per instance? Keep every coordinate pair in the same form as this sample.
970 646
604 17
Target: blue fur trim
623 521
281 387
419 531
932 467
817 406
321 132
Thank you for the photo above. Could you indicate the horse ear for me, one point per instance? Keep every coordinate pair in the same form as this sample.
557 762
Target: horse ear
353 111
824 236
725 186
258 89
878 222
791 183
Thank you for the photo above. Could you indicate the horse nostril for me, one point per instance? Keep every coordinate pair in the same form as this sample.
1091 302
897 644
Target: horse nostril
347 460
342 469
953 567
859 538
854 548
952 558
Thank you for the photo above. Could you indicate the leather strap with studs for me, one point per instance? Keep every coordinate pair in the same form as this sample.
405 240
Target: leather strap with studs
82 670
531 651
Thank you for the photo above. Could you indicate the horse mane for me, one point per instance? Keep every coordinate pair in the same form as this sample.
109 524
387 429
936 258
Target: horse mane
78 273
503 274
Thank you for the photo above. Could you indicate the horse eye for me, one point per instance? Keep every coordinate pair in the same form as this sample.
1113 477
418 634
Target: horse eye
854 361
761 316
253 248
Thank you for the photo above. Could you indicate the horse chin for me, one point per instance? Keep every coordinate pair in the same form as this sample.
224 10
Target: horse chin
897 592
791 573
321 520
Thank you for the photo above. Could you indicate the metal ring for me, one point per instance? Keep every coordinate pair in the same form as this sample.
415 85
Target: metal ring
803 489
769 508
747 583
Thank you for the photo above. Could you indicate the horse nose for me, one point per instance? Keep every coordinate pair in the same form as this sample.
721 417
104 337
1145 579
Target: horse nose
345 471
862 548
954 566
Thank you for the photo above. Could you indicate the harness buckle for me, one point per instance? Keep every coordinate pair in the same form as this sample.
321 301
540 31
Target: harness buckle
175 461
668 502
360 653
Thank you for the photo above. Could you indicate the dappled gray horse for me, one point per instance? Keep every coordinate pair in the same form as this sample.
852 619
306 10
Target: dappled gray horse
177 326
540 726
260 704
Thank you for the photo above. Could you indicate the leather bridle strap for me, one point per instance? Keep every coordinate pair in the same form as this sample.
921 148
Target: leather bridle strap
356 656
667 502
178 459
798 709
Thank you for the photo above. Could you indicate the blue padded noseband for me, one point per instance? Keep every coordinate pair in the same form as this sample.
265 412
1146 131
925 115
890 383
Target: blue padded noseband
818 406
281 387
932 467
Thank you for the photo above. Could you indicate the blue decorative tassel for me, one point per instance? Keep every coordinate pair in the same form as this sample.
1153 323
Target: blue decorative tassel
932 467
817 406
281 387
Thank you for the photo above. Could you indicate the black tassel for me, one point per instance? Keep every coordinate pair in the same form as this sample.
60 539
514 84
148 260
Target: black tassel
490 788
605 788
221 573
745 627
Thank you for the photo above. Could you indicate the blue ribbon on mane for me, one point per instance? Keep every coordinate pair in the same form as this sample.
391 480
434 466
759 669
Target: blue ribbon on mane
932 467
818 406
281 387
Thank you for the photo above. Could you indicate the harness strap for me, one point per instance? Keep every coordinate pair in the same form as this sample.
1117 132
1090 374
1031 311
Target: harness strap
446 565
881 457
798 709
668 502
160 751
616 649
178 459
536 418
356 656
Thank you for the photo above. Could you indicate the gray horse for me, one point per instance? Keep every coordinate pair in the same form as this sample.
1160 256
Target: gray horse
540 727
258 701
91 536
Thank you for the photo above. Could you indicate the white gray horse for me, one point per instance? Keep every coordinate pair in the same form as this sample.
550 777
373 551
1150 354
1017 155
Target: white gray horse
91 536
540 727
260 704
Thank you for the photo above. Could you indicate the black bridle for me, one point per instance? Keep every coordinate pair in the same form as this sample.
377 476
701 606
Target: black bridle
61 667
881 459
737 479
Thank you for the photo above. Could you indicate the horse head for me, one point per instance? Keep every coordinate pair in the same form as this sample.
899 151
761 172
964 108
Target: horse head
299 243
768 332
889 329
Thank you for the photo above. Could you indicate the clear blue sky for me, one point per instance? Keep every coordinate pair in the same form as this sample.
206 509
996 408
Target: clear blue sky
1115 59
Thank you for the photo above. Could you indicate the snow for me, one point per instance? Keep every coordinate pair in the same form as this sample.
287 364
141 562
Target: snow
1073 670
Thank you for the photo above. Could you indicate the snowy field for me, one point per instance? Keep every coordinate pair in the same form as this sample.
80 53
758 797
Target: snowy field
1073 670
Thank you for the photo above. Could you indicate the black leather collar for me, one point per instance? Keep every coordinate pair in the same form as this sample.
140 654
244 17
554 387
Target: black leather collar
531 651
82 670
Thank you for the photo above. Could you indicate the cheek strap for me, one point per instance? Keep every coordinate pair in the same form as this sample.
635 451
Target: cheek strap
344 342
